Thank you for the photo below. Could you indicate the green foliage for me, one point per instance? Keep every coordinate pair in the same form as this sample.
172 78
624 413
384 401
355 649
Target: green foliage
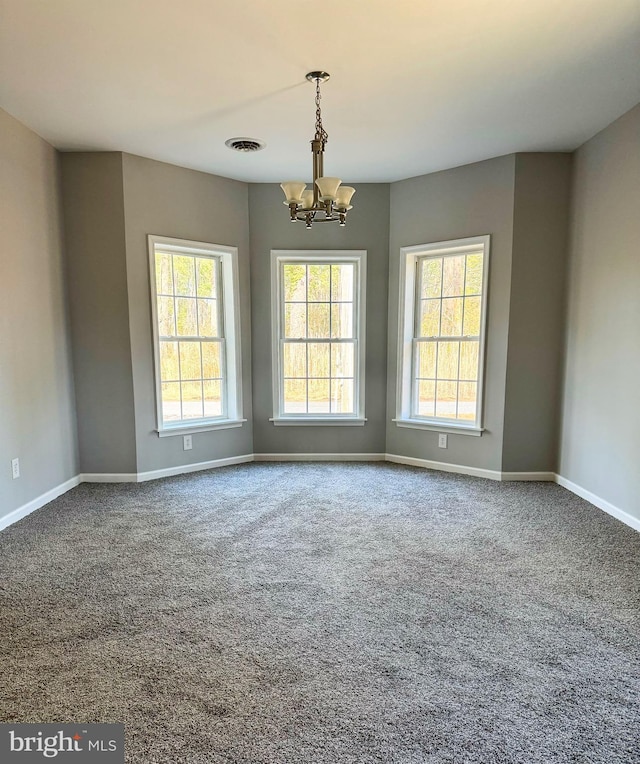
450 305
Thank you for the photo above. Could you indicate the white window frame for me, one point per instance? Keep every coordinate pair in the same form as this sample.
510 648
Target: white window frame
230 316
280 257
409 257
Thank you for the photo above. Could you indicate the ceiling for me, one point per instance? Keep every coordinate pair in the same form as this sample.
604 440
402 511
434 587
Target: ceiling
415 86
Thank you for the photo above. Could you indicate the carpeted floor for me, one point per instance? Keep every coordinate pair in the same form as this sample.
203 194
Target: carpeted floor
325 614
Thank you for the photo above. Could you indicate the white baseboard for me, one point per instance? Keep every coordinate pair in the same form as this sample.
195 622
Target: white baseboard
444 466
40 501
108 477
598 501
548 477
461 469
181 469
325 457
185 468
102 477
606 506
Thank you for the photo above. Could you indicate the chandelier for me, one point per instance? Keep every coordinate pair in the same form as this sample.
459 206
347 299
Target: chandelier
327 200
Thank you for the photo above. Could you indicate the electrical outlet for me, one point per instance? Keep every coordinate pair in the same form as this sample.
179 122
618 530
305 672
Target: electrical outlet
15 468
187 442
442 440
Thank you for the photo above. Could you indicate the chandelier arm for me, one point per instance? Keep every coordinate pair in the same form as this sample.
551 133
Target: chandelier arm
303 216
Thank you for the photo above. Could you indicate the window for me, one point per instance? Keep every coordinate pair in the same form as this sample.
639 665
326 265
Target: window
442 330
194 291
318 313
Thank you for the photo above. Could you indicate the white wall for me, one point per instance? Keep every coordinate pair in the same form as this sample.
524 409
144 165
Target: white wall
36 389
600 438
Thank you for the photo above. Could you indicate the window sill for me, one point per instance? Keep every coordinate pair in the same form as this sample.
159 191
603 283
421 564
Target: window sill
225 424
417 424
315 421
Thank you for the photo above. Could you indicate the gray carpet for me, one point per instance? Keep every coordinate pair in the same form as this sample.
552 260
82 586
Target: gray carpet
325 614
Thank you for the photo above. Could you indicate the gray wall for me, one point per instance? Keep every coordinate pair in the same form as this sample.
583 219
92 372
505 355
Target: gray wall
536 313
600 442
97 288
172 201
36 384
112 201
467 201
367 228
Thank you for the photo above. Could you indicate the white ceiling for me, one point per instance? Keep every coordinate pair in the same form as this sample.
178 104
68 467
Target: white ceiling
415 86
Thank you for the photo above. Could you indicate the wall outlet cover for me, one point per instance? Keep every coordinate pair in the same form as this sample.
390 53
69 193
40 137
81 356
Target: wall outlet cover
188 442
15 468
442 440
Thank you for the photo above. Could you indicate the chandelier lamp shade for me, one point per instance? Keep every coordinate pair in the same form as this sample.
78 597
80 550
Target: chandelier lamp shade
327 200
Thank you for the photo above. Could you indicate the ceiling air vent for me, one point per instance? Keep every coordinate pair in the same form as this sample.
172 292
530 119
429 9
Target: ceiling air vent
245 144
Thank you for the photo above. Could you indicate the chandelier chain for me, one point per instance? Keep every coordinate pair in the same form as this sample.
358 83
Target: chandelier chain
321 133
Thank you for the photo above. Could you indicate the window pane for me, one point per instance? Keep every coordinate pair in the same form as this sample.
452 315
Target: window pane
192 400
206 277
295 359
342 320
467 403
184 275
446 323
211 360
446 394
208 318
318 319
164 273
190 360
166 317
453 276
295 396
186 319
342 396
473 284
448 360
190 350
472 307
342 279
212 398
169 368
427 359
295 282
171 401
319 396
431 277
429 318
318 307
319 278
426 398
342 359
451 325
469 360
318 359
295 321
